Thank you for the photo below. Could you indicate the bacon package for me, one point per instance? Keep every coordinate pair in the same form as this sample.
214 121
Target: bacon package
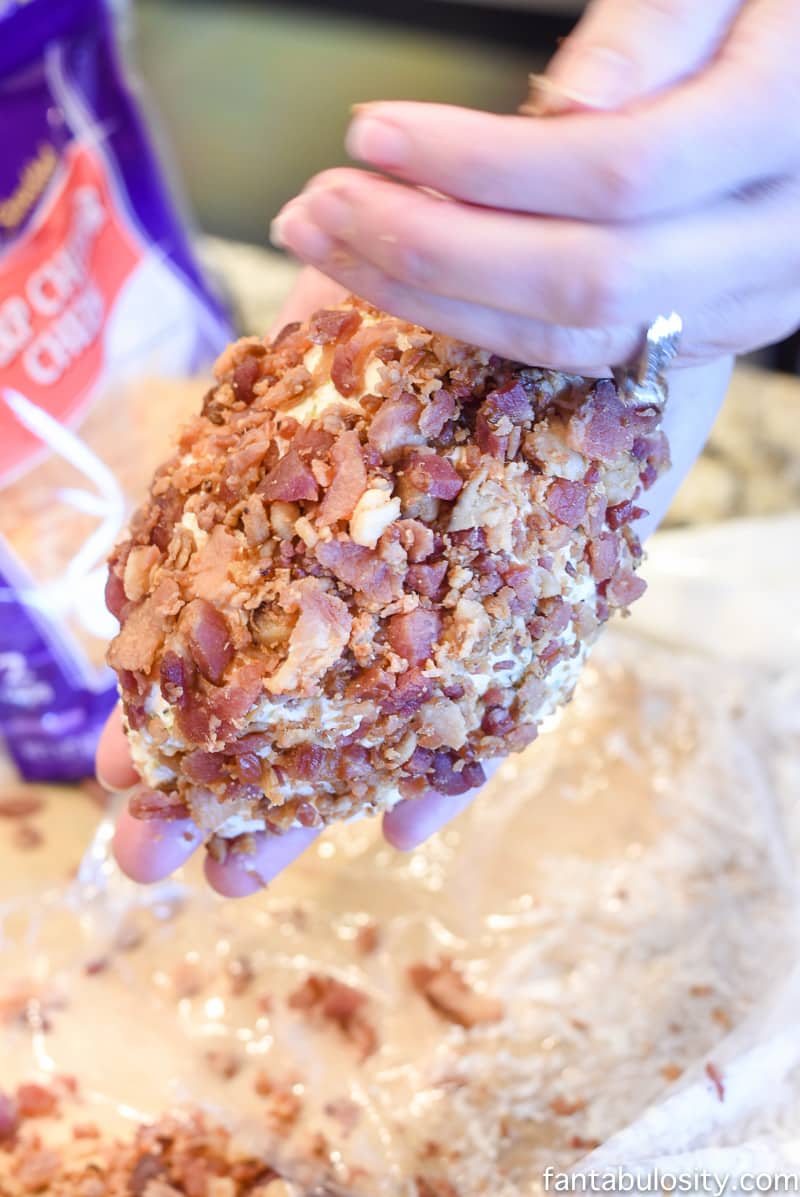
376 560
98 287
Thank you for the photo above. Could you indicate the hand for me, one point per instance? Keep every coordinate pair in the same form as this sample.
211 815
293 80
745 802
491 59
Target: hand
149 851
552 241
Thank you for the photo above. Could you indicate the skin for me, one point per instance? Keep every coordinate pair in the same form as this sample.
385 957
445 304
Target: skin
660 173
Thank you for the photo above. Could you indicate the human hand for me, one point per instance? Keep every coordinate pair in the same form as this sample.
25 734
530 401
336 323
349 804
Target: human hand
553 241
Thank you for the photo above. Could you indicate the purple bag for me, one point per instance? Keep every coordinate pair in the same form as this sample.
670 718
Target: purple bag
98 288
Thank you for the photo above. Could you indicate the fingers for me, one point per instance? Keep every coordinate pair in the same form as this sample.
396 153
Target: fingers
114 766
415 820
149 850
584 351
558 271
623 50
241 876
679 150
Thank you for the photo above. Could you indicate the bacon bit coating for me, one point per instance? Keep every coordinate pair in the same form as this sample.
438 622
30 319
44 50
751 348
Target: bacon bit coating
339 1004
368 938
563 1108
446 992
377 558
428 1186
182 1156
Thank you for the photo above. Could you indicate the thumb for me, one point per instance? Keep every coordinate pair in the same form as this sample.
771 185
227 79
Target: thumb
625 50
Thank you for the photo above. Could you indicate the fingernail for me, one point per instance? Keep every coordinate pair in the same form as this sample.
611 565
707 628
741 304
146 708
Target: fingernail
330 208
548 98
293 230
373 140
597 77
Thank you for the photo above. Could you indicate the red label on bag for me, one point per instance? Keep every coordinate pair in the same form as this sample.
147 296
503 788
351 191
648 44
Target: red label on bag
58 285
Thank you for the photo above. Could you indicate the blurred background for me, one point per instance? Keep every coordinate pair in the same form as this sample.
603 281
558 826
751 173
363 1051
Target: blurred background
254 97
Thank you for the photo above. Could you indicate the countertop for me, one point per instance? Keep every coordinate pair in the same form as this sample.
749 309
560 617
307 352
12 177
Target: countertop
751 464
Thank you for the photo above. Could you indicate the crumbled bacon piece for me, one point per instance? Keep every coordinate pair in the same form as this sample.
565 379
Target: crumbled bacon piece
349 358
446 991
306 815
317 639
434 475
497 722
395 426
562 1107
333 324
579 1143
154 804
358 567
245 376
115 596
440 409
413 636
307 761
148 1168
140 636
510 400
309 443
412 689
339 1004
283 1108
224 1062
567 501
417 539
426 579
427 1186
139 566
599 428
715 1076
345 1112
36 1101
289 480
488 439
349 480
367 939
205 766
625 588
177 676
445 778
208 639
603 554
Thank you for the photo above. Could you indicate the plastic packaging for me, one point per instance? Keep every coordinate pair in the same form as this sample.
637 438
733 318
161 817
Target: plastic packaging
98 288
